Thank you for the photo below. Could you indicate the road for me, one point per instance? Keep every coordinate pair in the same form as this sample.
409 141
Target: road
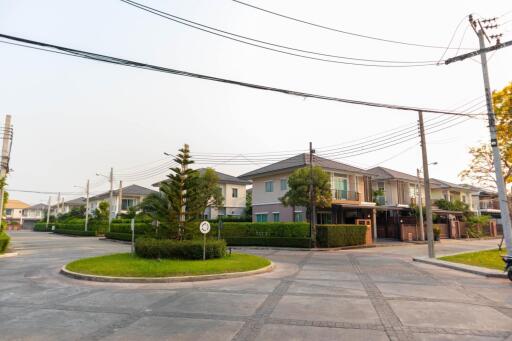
366 294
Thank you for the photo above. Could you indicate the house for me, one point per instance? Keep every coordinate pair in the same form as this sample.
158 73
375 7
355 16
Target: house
14 212
67 206
33 214
350 187
440 189
122 200
234 192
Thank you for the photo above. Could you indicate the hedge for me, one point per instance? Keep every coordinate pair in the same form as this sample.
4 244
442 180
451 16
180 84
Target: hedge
341 235
122 236
187 249
263 230
40 227
272 241
76 232
4 241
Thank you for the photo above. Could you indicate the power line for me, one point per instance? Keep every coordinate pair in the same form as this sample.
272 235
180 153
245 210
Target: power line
341 31
134 64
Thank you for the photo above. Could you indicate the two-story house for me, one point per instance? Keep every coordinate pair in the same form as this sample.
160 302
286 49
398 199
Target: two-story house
33 214
14 212
234 192
122 199
350 187
441 189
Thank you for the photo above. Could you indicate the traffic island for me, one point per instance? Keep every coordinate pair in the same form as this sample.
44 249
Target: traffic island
128 268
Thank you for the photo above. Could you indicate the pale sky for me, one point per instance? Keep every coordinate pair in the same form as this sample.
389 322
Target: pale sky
73 118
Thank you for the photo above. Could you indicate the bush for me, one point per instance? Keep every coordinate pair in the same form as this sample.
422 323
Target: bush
75 232
341 235
122 236
4 241
266 230
187 249
40 227
272 241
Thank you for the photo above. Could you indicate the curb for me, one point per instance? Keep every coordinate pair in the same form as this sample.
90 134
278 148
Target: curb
462 267
321 249
9 254
110 279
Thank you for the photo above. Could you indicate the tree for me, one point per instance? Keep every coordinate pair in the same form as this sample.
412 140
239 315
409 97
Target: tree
206 193
298 192
481 168
248 205
101 212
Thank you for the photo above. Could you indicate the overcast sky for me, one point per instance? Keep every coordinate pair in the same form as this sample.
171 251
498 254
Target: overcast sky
73 118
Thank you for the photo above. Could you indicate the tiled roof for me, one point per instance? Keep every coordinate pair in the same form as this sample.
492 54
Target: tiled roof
12 203
383 173
77 201
129 190
302 160
38 207
436 183
223 178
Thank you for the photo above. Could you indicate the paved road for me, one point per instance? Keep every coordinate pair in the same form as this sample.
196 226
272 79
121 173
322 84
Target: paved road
371 294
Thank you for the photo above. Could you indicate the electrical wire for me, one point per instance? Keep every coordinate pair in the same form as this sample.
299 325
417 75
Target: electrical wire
129 63
339 30
256 42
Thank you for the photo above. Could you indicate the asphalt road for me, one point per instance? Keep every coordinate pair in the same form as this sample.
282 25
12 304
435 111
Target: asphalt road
370 294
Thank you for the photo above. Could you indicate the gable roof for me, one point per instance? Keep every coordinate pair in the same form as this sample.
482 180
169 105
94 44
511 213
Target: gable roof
38 207
299 161
128 190
383 173
436 183
223 178
13 203
75 202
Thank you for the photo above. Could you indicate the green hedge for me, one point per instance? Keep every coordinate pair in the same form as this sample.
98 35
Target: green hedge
4 241
40 227
187 249
140 228
341 235
263 241
75 232
122 236
263 230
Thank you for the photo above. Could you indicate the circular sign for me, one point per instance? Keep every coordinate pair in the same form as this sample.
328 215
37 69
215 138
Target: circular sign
204 227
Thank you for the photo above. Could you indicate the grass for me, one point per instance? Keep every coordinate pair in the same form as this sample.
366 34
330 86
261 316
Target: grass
487 259
127 265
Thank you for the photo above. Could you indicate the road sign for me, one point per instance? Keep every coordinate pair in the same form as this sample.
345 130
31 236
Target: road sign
204 227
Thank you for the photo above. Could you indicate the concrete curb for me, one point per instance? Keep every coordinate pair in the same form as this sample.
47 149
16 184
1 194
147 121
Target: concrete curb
179 279
9 254
321 249
462 267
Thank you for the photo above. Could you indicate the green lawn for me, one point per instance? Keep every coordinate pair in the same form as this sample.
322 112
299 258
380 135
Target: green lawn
487 259
126 265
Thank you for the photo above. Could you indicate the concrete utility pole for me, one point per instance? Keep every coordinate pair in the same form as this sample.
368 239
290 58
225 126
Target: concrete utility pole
48 212
4 162
86 204
426 180
111 179
120 197
420 206
183 196
312 219
491 117
57 208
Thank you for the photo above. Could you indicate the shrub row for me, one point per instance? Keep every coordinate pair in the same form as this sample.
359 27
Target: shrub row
122 236
341 235
4 241
40 227
265 230
269 241
75 232
140 228
187 249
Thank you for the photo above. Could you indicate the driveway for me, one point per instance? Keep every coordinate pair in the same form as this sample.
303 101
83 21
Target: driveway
369 294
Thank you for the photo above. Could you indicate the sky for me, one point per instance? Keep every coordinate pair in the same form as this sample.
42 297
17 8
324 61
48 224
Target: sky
74 118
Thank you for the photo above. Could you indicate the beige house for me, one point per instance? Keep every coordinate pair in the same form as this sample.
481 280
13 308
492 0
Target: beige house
441 189
122 200
33 214
398 189
14 212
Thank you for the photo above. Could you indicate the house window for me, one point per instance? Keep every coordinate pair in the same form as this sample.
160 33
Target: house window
380 185
464 199
276 217
8 211
127 203
324 218
261 218
234 192
269 186
299 216
284 184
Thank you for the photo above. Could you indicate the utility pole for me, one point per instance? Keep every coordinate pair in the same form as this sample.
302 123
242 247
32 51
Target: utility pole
312 218
48 212
86 204
120 197
57 209
420 206
491 117
111 179
184 167
4 162
426 180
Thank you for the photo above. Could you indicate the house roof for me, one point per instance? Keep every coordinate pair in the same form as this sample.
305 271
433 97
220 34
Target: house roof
77 201
383 173
128 190
436 183
223 179
299 161
13 203
38 207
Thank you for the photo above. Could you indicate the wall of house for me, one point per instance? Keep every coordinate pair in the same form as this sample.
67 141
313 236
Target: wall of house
229 201
285 213
259 196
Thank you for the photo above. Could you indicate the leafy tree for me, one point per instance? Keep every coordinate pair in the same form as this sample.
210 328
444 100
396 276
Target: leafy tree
101 213
456 205
206 193
75 213
481 168
248 205
378 194
298 192
130 213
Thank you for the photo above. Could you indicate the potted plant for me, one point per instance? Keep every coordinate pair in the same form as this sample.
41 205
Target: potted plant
437 233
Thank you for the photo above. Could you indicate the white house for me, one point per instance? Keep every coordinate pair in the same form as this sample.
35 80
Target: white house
123 199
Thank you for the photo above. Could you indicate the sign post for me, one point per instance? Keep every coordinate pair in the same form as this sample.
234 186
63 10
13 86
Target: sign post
204 227
132 227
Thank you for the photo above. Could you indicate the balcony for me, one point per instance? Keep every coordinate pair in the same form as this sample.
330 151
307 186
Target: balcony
489 205
339 195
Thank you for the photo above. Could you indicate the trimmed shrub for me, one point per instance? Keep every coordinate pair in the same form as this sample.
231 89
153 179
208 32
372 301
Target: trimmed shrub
40 227
341 235
81 233
271 241
187 249
4 241
140 228
122 236
266 230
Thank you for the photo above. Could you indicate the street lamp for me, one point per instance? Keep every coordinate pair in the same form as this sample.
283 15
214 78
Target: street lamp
420 203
